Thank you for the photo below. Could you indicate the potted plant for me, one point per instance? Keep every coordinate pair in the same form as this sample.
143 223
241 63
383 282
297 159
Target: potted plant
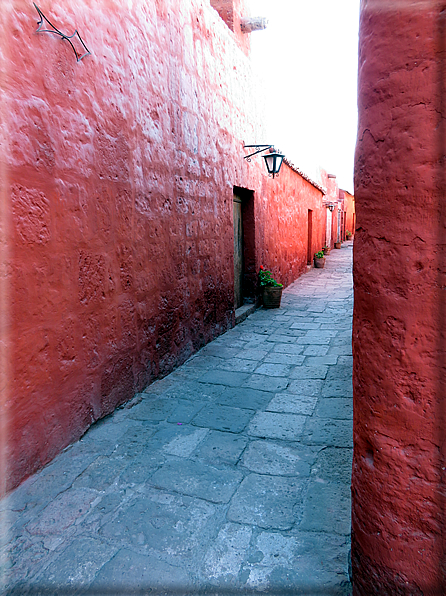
326 250
337 244
348 235
271 289
319 259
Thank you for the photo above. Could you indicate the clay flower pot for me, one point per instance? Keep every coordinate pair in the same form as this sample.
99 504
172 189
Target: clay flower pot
319 263
338 245
271 296
326 250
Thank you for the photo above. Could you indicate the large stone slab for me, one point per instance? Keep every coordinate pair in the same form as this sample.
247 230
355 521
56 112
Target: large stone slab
337 388
305 325
220 448
323 431
244 397
278 460
223 377
269 502
39 490
220 351
300 563
266 383
130 572
153 408
101 473
253 354
321 360
192 390
75 566
225 418
238 365
284 339
313 340
198 480
310 372
335 407
273 369
185 443
309 387
287 349
185 410
225 556
333 464
133 441
274 425
340 371
315 351
172 527
283 358
292 403
63 512
327 508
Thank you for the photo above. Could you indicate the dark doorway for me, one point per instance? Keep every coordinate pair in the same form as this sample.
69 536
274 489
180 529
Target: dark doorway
309 236
244 246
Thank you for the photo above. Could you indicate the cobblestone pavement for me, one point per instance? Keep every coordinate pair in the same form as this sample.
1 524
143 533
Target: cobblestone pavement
229 476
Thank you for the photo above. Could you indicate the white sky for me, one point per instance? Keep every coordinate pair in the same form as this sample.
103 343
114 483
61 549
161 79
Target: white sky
307 58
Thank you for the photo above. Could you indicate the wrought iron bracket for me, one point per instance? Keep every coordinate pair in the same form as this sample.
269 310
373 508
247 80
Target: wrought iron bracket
259 149
55 30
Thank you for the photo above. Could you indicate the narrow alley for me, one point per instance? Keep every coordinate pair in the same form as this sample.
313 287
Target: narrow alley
229 476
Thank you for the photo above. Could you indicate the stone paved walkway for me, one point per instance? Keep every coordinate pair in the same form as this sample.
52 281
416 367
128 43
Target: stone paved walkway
229 476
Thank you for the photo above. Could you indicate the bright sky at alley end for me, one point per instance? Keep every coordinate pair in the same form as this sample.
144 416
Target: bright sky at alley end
307 59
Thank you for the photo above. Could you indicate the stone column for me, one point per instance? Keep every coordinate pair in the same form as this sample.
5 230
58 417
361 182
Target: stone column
398 508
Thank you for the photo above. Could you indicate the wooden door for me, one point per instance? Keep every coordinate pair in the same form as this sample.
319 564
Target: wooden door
309 237
238 251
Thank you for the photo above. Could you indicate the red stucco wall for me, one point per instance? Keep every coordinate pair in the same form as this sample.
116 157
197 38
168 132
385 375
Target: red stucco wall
117 198
349 202
282 213
398 485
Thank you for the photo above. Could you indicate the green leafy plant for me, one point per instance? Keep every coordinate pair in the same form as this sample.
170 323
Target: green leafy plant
319 254
266 280
325 248
348 234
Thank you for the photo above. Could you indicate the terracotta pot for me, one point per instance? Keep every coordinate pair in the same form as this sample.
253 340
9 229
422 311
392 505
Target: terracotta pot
319 263
338 245
326 250
271 296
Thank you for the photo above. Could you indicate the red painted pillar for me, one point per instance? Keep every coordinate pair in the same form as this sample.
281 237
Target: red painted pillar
398 484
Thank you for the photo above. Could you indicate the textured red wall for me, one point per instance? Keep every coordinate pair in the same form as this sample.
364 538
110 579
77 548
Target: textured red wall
117 179
282 230
350 211
398 484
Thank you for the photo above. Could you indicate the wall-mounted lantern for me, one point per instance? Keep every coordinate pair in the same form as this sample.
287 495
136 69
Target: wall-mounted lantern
273 159
331 207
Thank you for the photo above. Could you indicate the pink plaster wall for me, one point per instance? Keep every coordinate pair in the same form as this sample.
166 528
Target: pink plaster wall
282 210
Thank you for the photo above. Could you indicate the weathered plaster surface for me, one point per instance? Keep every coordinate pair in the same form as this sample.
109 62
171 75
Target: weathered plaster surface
399 314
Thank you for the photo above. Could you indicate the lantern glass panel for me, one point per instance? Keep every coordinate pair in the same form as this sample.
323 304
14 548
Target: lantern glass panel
279 162
270 162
